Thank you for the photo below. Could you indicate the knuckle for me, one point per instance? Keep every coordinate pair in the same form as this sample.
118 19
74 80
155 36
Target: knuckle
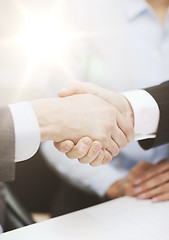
83 160
93 152
69 155
57 146
60 146
97 145
65 148
94 164
86 140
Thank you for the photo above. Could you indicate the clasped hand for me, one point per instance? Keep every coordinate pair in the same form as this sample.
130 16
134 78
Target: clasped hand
99 123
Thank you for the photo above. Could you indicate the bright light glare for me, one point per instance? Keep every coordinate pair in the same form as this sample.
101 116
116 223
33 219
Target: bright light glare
44 39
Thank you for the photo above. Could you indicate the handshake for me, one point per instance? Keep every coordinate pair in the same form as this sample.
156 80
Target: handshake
87 122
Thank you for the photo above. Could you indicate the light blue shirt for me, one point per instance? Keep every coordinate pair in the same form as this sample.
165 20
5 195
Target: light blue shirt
151 45
121 47
127 49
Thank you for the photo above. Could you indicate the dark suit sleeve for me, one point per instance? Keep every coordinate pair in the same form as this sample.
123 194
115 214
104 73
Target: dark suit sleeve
161 94
7 145
2 205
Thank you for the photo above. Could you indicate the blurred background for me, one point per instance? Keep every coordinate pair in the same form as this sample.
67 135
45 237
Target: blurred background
45 43
119 45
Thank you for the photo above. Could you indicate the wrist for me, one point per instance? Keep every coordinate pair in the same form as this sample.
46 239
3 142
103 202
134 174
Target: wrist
123 106
128 110
47 112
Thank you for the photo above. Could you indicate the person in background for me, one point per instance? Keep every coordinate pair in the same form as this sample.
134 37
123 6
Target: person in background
106 46
150 109
127 49
24 125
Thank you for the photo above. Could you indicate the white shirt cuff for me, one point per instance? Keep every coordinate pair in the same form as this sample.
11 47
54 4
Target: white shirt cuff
146 113
27 131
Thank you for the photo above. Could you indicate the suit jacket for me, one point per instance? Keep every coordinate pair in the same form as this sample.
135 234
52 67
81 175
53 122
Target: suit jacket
2 206
161 94
7 154
7 145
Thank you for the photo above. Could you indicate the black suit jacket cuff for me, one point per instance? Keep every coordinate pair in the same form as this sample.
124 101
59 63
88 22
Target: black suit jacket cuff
161 95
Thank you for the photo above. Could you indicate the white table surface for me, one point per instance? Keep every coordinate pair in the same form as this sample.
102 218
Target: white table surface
124 218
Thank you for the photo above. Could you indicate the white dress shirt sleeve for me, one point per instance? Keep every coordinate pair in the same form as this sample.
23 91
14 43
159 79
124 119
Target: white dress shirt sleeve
27 131
146 113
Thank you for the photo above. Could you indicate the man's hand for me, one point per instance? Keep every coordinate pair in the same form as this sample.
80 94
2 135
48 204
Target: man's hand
78 116
154 184
145 181
125 186
86 151
116 99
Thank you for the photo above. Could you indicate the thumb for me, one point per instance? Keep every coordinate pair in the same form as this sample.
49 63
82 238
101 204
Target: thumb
65 92
75 87
72 88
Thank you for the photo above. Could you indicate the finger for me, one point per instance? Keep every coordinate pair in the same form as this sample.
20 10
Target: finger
70 89
64 146
155 192
107 157
99 159
126 126
144 165
138 170
75 87
112 148
80 149
119 137
152 183
65 92
92 153
163 197
156 170
116 190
